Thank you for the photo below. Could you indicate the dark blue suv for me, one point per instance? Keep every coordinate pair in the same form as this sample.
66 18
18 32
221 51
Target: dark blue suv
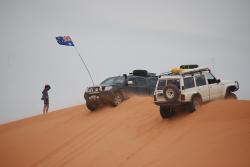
114 90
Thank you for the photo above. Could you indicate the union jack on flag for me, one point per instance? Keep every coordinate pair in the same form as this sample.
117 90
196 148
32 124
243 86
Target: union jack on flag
65 40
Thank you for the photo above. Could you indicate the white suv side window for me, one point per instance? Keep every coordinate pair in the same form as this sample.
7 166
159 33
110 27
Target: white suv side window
188 82
211 79
200 80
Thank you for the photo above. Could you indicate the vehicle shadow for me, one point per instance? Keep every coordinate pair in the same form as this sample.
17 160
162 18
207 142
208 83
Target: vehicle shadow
179 115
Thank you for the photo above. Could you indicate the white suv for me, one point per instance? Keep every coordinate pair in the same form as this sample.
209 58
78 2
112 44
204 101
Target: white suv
189 88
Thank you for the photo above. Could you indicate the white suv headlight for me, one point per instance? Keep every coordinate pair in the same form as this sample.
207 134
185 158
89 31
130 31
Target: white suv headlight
107 88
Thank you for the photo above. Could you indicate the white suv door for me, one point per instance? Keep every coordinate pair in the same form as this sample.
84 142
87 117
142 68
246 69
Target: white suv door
189 87
202 87
215 88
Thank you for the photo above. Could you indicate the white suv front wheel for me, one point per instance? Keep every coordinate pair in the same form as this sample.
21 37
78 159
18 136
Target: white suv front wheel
231 95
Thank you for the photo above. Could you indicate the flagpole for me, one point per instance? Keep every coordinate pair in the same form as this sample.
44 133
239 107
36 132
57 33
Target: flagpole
84 65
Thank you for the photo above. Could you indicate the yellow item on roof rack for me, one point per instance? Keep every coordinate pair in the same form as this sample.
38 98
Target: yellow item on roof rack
177 70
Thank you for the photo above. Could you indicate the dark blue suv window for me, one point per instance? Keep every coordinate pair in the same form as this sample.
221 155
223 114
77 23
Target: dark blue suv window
152 82
141 82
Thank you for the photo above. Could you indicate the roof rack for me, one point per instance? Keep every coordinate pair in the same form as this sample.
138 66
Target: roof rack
166 74
195 71
189 71
189 66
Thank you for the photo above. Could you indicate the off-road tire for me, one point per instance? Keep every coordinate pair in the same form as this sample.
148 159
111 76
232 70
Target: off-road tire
166 111
91 106
196 102
231 95
171 93
117 99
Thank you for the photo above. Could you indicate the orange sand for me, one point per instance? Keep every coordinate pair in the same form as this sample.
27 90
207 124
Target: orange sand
132 134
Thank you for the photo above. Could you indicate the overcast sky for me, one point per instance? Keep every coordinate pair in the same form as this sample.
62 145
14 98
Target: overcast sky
113 37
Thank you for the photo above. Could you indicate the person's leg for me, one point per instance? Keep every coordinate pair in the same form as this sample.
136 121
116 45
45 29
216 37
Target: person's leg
44 109
47 108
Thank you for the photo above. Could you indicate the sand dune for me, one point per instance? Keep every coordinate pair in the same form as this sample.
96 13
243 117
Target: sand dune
132 134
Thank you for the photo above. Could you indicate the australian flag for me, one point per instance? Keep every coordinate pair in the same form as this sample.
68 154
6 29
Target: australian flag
65 40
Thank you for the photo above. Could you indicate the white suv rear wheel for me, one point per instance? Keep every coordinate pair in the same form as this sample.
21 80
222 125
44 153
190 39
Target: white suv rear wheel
195 103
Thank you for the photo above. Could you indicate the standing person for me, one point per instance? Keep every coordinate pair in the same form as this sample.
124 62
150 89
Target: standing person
45 99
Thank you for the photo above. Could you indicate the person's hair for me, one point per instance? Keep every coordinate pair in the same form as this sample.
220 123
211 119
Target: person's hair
47 87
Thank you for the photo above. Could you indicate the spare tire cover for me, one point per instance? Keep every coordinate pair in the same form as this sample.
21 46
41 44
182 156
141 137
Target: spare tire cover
171 93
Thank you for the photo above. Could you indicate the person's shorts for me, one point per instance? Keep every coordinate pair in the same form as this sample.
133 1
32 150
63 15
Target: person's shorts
46 101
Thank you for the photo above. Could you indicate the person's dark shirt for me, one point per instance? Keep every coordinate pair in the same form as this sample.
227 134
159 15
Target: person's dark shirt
45 95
